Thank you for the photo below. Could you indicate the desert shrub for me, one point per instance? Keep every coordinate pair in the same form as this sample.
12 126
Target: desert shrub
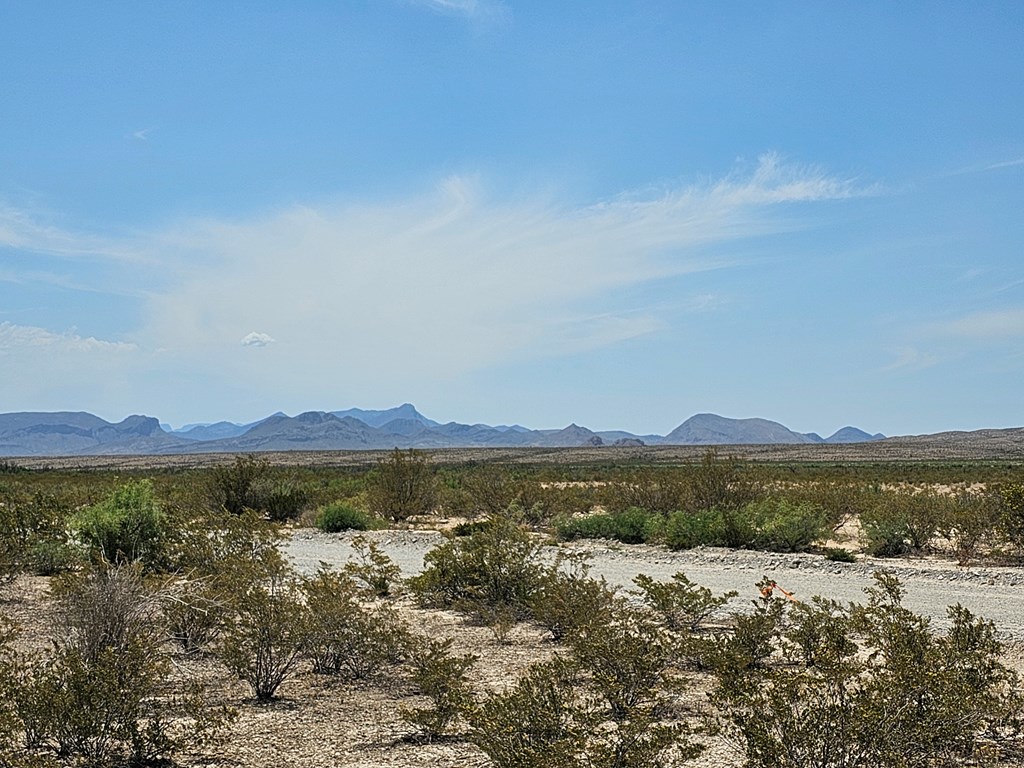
342 516
441 677
194 611
680 605
495 566
657 491
629 668
1011 516
342 635
535 723
567 600
10 722
236 487
50 557
107 607
281 501
102 696
608 704
686 530
821 631
784 526
492 489
265 635
972 524
722 483
630 526
839 500
840 555
227 548
752 641
374 569
904 521
401 485
214 559
128 525
912 698
33 534
560 500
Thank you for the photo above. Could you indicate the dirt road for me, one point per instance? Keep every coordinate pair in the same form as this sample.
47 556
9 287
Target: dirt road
997 593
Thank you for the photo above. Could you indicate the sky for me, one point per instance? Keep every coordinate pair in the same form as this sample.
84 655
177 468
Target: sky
617 214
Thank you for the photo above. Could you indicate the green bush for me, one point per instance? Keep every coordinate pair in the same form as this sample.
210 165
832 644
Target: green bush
402 485
630 526
441 677
661 491
128 525
497 566
567 601
342 636
680 605
840 555
785 526
236 487
1011 518
102 698
973 523
342 516
535 723
265 635
874 686
905 521
686 530
281 501
378 572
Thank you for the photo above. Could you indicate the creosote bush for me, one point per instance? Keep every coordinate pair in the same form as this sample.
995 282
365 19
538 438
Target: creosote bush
440 676
101 697
342 634
342 516
128 525
496 566
872 686
265 635
567 601
401 485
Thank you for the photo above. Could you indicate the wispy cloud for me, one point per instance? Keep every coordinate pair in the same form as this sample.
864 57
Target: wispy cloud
989 325
456 280
911 359
474 9
19 338
29 231
1005 164
452 281
142 134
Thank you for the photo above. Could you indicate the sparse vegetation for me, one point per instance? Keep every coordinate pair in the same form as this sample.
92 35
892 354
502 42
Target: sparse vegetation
177 587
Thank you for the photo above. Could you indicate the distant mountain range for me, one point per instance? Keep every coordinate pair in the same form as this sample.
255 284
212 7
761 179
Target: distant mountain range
78 433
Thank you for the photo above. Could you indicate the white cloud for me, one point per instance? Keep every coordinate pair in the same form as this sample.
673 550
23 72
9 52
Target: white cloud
990 325
911 358
255 339
19 338
432 286
26 230
469 8
453 281
1005 164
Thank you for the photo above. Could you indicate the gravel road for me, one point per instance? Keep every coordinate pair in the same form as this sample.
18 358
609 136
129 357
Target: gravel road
997 593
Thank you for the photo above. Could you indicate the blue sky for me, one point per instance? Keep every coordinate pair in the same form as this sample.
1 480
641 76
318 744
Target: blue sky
615 214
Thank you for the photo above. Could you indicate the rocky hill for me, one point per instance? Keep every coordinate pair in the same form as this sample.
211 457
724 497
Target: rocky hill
71 434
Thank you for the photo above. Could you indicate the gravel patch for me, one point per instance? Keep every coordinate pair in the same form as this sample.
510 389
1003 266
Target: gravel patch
997 593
